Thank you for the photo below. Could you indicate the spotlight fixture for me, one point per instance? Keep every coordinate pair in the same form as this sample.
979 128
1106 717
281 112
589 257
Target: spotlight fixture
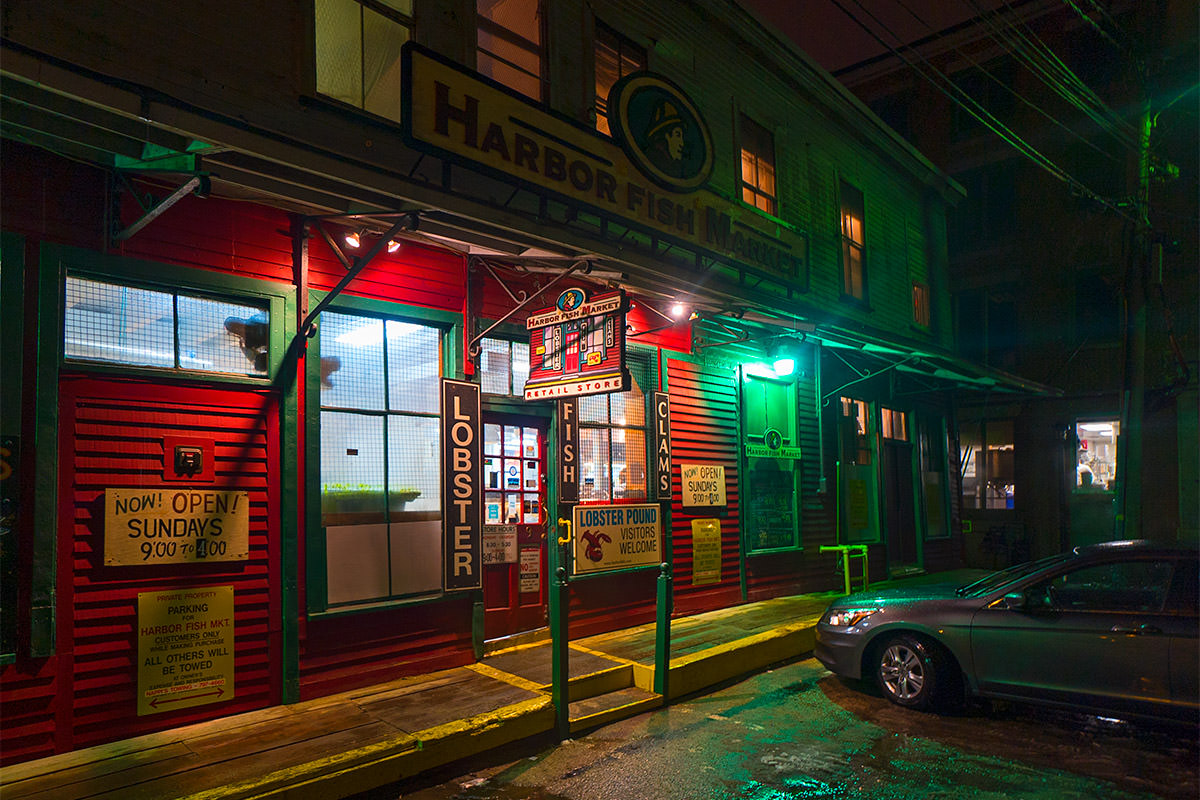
353 239
783 358
392 245
679 311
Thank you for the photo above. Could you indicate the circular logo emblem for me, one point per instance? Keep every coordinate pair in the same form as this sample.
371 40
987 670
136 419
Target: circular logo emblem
570 300
661 131
773 439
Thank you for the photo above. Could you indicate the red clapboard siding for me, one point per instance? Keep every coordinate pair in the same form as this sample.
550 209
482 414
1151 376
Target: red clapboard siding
27 696
112 434
414 275
347 652
704 413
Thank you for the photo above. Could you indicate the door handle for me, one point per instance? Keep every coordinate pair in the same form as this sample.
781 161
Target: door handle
1140 630
566 523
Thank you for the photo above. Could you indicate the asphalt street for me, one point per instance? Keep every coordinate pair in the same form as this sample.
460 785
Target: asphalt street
797 732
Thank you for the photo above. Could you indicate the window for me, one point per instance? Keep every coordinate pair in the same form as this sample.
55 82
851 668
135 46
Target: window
988 86
920 299
380 464
854 277
1096 456
616 57
118 324
987 327
1130 586
513 463
510 45
856 441
893 424
988 214
931 438
770 488
504 367
986 464
358 52
612 445
758 165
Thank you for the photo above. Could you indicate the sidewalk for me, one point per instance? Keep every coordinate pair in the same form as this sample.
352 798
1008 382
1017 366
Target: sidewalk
354 741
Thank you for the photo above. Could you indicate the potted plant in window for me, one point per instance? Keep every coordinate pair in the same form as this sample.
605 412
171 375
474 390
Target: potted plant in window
362 498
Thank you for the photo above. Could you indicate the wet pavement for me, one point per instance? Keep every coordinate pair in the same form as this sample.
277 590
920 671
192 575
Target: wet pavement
798 733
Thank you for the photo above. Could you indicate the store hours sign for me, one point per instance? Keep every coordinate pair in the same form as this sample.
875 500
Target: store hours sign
175 526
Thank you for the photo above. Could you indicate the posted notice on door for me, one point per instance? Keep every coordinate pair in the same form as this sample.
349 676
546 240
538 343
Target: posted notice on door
185 648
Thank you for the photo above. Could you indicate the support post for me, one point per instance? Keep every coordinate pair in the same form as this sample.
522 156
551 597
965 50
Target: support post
662 631
559 602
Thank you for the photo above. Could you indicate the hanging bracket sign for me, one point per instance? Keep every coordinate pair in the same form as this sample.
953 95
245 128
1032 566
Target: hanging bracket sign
577 347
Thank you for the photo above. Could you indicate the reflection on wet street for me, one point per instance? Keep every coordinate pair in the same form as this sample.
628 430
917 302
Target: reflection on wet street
798 733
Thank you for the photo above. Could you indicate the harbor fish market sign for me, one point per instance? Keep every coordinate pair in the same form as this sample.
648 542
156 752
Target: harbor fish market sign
651 176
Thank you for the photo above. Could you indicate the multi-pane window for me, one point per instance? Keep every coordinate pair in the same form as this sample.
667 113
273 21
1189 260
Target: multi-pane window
616 57
854 277
504 367
758 165
893 424
122 324
1096 454
856 431
358 51
380 465
920 302
986 463
509 45
513 466
612 445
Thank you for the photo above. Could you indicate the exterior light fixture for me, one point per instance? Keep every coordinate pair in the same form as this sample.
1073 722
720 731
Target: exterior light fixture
783 358
679 311
392 245
353 239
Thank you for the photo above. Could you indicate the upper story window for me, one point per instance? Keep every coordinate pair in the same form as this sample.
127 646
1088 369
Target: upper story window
854 262
510 45
920 303
988 214
758 165
358 51
616 57
504 367
138 327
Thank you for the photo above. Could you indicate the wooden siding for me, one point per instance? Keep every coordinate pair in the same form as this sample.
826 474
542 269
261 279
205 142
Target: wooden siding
111 436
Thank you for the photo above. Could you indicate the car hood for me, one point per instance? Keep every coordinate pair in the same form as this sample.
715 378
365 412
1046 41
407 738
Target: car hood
897 596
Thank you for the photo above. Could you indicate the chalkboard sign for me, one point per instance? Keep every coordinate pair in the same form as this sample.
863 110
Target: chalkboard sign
769 506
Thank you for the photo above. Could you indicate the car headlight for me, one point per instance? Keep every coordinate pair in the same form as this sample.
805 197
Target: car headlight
846 618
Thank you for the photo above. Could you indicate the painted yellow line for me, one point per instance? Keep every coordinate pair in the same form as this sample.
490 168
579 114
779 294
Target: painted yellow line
507 677
603 654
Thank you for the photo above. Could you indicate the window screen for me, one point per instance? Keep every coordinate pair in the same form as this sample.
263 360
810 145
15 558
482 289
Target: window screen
122 324
504 367
358 52
612 445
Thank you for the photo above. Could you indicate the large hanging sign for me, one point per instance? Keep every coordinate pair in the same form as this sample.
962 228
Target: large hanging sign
662 444
175 526
616 536
577 347
462 479
653 174
185 648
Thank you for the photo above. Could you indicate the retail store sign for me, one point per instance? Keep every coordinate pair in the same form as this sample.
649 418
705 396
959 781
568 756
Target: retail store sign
175 526
702 485
577 346
652 176
616 537
462 480
185 648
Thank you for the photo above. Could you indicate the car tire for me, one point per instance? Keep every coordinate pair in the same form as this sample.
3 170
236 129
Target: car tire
910 671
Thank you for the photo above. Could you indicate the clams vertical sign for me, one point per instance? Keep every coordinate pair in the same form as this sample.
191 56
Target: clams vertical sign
462 501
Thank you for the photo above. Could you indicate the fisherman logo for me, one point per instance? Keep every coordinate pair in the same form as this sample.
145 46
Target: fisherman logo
661 131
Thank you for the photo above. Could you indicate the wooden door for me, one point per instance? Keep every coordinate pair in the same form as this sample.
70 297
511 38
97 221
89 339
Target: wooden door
515 524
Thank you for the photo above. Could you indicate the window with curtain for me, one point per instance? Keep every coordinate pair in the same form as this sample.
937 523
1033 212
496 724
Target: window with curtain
509 46
758 165
612 445
358 51
380 457
854 268
616 57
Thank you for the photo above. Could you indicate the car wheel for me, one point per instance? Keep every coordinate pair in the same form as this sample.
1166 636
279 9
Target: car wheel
909 671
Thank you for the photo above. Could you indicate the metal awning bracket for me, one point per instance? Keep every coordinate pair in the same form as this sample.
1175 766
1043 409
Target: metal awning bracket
473 347
199 184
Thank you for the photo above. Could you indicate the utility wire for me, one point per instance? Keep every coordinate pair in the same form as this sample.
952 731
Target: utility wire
981 114
1009 89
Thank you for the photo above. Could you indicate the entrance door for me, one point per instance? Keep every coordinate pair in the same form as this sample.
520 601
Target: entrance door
514 524
898 504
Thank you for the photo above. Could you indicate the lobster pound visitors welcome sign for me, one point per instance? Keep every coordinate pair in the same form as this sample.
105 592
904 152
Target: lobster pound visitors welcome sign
616 537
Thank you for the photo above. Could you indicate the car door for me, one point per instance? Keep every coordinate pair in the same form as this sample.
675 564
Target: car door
1094 635
1183 605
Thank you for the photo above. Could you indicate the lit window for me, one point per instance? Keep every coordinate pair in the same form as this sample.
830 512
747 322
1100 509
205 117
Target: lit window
380 459
893 424
358 52
855 422
758 165
616 57
854 279
612 446
504 367
509 46
920 297
1096 454
148 328
986 464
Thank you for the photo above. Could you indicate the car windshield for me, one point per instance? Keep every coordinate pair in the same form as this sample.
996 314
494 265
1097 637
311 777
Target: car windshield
990 583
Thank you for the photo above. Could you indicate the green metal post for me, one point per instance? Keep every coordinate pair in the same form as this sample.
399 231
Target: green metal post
662 633
559 666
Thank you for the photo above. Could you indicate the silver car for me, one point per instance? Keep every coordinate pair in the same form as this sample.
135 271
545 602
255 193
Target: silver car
1108 628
